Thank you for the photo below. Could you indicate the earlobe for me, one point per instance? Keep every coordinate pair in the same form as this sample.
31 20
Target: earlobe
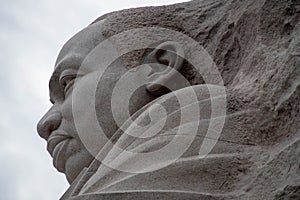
165 60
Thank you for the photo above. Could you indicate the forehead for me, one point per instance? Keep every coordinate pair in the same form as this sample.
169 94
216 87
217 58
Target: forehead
74 53
81 44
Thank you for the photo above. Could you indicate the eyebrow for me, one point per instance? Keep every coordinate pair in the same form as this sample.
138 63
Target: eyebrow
73 62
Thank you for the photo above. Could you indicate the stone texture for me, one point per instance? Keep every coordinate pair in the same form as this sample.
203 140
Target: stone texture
256 46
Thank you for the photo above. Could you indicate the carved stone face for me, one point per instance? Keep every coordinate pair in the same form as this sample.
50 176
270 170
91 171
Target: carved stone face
76 72
57 126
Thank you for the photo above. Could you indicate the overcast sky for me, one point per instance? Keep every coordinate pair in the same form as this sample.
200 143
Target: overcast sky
32 33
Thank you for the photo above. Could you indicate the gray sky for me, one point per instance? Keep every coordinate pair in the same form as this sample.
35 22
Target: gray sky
32 33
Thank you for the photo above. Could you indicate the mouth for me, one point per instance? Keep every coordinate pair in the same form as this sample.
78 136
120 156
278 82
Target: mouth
56 145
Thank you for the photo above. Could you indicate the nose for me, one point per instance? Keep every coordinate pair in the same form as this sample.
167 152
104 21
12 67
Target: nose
48 123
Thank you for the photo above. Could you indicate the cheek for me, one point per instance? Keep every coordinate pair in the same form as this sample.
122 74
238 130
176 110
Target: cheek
66 109
84 113
76 107
82 97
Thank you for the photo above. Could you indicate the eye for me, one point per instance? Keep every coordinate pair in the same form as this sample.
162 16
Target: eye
67 82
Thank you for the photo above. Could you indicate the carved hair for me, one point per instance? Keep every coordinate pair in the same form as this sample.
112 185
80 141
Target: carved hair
174 17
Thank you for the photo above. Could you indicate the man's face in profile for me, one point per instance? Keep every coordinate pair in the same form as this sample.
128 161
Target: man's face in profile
57 126
75 70
80 78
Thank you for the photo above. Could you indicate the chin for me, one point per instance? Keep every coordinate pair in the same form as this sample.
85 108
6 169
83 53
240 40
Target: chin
76 163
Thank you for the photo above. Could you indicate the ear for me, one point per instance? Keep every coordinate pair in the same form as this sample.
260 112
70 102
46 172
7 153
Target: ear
165 60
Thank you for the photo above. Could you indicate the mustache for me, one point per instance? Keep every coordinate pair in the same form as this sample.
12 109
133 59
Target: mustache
55 138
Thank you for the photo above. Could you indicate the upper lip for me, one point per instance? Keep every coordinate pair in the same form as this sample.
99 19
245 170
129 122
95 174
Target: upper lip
55 138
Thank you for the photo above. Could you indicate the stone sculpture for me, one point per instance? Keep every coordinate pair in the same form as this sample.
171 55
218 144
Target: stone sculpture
198 100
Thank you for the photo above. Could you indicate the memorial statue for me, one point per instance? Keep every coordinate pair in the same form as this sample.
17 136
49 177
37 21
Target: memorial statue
198 100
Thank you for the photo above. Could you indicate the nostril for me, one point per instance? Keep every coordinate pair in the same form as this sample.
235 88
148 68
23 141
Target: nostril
48 124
